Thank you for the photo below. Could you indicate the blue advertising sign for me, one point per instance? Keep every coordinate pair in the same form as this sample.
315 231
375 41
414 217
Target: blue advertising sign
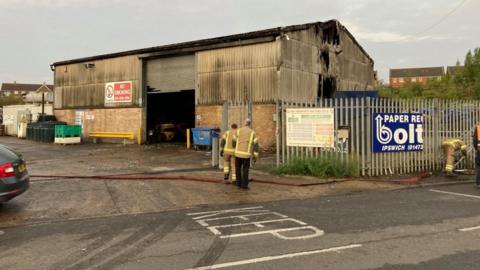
397 132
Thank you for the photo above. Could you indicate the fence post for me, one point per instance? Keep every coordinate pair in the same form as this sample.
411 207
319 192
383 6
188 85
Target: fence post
277 132
367 166
250 111
223 129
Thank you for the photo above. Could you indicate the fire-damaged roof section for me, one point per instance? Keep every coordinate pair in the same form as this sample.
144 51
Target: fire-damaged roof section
22 87
200 44
417 72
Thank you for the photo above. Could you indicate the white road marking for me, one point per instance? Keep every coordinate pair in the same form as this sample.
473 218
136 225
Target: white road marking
215 213
258 224
278 257
469 229
455 193
245 214
316 232
204 223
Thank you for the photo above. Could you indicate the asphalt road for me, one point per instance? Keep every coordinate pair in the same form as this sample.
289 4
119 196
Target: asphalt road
427 228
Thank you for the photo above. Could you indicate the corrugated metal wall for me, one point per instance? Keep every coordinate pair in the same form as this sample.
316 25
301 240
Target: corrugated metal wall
301 65
171 74
355 68
79 87
238 74
287 69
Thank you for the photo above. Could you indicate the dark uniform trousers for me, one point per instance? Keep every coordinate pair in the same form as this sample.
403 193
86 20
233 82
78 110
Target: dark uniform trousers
242 166
476 145
477 167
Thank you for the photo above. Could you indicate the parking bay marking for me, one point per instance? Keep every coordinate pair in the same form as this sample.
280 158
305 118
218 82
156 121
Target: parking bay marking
455 193
246 214
463 195
278 257
469 229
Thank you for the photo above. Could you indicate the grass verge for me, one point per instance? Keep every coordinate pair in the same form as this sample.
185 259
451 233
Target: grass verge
324 166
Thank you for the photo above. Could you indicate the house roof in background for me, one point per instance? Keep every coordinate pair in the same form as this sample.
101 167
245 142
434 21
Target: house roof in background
22 87
417 72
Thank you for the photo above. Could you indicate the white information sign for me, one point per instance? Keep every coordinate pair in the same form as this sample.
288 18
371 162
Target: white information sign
312 127
79 117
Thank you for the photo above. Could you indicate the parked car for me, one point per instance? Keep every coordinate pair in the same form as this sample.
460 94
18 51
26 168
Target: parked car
14 178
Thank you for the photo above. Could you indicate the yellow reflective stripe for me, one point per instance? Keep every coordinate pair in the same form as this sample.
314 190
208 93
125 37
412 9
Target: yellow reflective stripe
250 142
242 153
227 138
236 138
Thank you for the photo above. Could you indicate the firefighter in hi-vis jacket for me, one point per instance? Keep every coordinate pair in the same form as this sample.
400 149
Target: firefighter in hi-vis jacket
228 153
450 148
246 148
476 145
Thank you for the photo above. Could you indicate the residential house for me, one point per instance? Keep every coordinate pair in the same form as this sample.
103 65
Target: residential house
401 76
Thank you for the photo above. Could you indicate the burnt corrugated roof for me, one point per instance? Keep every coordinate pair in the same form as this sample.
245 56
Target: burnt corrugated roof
417 72
272 32
22 87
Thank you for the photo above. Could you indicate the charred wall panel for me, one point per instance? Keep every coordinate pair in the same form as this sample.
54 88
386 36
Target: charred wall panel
79 86
297 85
355 67
319 53
238 74
301 65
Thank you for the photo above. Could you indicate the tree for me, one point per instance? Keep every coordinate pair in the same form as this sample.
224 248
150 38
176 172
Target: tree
10 100
463 84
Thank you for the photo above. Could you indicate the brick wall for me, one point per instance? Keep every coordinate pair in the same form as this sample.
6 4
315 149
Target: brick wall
113 120
263 124
208 116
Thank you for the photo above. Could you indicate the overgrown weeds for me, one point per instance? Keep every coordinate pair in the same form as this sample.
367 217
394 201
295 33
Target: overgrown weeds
330 165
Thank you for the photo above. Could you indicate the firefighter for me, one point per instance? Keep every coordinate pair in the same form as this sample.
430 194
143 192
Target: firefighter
476 145
227 152
450 148
246 148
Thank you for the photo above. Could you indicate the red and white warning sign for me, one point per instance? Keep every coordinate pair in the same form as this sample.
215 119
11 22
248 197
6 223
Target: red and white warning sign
118 92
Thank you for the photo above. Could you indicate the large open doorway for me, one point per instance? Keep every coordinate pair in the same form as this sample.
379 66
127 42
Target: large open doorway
169 115
170 83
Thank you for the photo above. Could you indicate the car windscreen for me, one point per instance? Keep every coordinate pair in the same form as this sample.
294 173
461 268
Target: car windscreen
7 155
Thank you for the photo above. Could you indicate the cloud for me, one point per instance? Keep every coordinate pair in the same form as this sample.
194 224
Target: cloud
58 3
387 36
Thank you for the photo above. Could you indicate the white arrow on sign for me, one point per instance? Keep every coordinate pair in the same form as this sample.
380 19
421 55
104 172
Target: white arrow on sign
384 134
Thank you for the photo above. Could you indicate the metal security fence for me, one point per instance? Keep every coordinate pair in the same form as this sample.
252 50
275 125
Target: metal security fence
236 112
442 119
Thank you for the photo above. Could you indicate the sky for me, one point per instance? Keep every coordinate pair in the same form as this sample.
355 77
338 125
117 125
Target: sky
396 33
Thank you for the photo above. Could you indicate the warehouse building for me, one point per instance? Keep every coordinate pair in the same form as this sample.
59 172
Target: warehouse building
185 84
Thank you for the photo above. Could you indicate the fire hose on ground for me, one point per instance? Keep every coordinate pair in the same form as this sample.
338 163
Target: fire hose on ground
191 178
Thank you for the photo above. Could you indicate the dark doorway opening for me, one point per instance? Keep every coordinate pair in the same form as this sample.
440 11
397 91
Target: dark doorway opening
326 87
169 115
